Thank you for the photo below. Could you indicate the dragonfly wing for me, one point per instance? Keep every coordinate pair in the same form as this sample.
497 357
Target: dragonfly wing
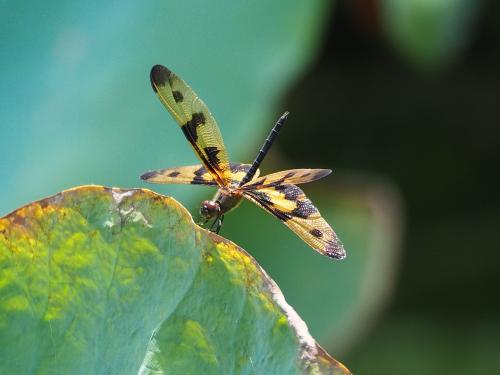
196 121
289 204
291 176
193 174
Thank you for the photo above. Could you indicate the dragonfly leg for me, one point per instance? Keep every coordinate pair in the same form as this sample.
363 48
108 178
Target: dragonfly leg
202 222
217 224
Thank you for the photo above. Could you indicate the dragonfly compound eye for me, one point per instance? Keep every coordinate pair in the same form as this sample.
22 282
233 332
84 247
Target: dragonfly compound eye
209 209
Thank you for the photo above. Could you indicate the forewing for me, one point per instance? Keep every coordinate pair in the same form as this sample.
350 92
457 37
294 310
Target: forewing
196 121
291 176
289 204
193 174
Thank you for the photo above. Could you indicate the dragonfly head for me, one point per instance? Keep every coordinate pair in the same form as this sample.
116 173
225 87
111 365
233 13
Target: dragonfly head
209 209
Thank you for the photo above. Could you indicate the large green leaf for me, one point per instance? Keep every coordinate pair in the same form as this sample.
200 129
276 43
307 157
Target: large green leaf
108 281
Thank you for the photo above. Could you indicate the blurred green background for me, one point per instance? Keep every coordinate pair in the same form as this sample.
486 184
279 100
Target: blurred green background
399 98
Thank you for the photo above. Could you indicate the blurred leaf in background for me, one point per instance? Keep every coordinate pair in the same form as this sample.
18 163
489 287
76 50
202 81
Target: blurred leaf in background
429 34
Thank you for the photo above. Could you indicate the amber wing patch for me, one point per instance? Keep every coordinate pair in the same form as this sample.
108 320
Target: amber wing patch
193 174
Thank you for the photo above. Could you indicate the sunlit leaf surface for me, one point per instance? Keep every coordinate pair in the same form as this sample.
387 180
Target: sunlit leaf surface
108 281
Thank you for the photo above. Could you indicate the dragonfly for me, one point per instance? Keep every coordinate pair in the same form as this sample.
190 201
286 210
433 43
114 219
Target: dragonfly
277 193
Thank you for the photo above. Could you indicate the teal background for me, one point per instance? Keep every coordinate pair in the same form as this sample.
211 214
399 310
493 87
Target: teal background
399 98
